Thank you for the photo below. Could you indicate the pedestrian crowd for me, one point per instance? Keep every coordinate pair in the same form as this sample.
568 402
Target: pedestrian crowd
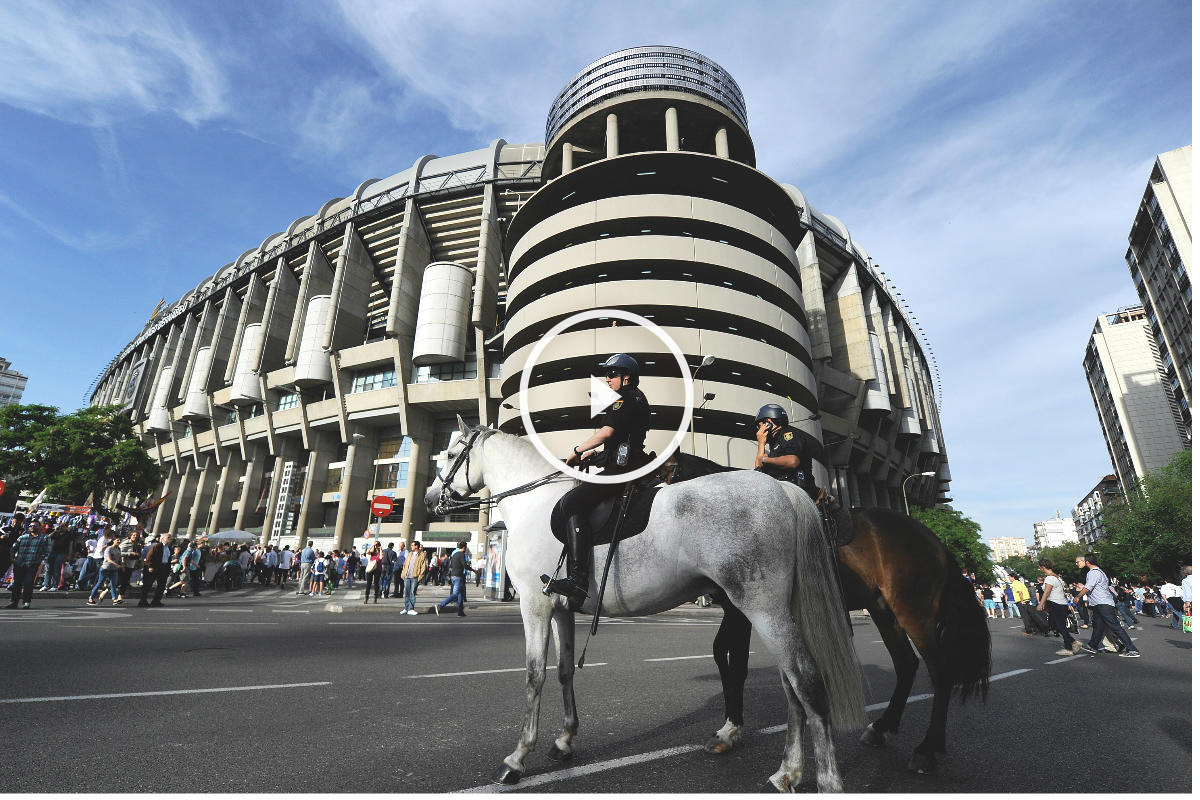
1059 605
63 553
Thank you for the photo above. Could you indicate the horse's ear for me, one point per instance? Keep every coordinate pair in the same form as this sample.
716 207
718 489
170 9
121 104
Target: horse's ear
462 426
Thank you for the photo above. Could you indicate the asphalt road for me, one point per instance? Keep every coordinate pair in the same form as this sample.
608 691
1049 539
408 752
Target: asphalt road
420 704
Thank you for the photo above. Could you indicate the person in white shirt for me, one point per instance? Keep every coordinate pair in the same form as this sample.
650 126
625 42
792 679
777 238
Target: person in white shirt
285 565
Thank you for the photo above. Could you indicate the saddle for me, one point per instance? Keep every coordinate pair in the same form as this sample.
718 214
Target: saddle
602 521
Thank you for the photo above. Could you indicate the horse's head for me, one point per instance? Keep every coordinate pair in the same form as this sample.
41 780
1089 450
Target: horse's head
459 470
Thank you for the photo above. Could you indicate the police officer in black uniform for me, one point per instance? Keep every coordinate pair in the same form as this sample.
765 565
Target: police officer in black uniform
622 435
781 452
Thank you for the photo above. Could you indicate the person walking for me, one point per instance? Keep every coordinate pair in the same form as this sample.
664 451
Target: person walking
1021 605
131 557
191 567
415 568
459 563
28 552
286 556
60 549
374 571
1054 601
351 568
1185 590
156 567
110 572
1103 608
1173 594
307 557
388 568
8 537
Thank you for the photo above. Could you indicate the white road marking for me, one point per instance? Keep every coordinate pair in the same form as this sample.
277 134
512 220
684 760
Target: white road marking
233 610
490 671
432 622
577 772
290 611
159 694
641 758
683 658
1066 658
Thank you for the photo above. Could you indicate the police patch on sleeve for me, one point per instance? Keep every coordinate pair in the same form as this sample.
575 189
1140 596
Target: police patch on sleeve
617 405
787 437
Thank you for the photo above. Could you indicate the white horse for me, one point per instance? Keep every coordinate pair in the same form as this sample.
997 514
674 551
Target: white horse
755 538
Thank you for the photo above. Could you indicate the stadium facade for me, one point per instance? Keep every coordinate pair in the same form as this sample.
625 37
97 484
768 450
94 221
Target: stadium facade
327 364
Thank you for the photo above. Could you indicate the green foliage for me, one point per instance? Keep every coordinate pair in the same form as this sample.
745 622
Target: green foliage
91 451
1063 558
1020 565
960 534
1151 534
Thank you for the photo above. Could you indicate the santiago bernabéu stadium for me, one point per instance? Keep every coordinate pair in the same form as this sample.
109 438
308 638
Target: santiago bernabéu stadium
328 363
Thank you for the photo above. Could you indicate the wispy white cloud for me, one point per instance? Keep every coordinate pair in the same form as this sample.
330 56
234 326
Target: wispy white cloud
95 63
83 241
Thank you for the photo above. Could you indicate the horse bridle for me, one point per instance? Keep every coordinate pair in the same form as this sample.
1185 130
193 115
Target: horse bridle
451 500
463 457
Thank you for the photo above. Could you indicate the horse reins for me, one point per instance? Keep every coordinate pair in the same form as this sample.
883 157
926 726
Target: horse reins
447 501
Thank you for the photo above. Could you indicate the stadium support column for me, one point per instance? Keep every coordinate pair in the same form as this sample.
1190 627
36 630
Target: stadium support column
814 298
223 515
420 431
568 158
672 130
721 143
354 510
612 146
322 446
183 496
162 514
256 460
286 451
205 483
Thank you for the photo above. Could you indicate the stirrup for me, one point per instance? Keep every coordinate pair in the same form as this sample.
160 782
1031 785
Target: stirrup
568 588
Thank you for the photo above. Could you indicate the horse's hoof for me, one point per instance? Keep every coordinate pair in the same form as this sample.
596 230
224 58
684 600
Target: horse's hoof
782 782
873 737
922 764
558 754
506 775
723 740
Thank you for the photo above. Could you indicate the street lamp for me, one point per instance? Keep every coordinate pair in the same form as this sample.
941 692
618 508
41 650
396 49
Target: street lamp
358 440
707 361
904 487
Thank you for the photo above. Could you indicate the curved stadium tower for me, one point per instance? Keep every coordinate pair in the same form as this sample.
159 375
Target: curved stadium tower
327 364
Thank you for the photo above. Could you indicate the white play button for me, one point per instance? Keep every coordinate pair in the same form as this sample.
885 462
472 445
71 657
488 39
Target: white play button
602 396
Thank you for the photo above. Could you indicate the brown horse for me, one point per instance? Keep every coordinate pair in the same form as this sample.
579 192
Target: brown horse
898 570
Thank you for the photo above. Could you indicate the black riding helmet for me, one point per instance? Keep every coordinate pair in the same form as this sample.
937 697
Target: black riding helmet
623 363
773 412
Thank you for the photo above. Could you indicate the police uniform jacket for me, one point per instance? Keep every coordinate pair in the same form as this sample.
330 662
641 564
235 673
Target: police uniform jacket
787 442
629 418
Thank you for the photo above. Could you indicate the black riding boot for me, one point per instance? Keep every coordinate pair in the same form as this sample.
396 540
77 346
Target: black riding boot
579 552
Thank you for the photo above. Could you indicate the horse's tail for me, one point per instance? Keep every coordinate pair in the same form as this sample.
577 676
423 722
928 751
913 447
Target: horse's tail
818 611
964 641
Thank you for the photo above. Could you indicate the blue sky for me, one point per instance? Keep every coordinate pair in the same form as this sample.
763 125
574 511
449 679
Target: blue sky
989 156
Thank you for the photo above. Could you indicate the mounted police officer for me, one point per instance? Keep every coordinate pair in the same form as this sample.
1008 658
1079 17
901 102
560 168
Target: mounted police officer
781 452
622 437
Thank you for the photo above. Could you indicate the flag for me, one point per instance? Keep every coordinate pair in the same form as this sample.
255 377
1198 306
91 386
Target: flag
37 501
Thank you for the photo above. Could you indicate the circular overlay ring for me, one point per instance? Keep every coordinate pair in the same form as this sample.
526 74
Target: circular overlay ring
606 313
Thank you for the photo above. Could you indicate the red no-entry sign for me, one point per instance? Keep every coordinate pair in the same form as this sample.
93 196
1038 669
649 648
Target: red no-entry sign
1 487
381 506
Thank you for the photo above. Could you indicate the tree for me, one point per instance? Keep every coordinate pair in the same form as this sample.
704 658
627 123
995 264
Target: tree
89 452
1150 533
1021 565
960 534
1062 558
